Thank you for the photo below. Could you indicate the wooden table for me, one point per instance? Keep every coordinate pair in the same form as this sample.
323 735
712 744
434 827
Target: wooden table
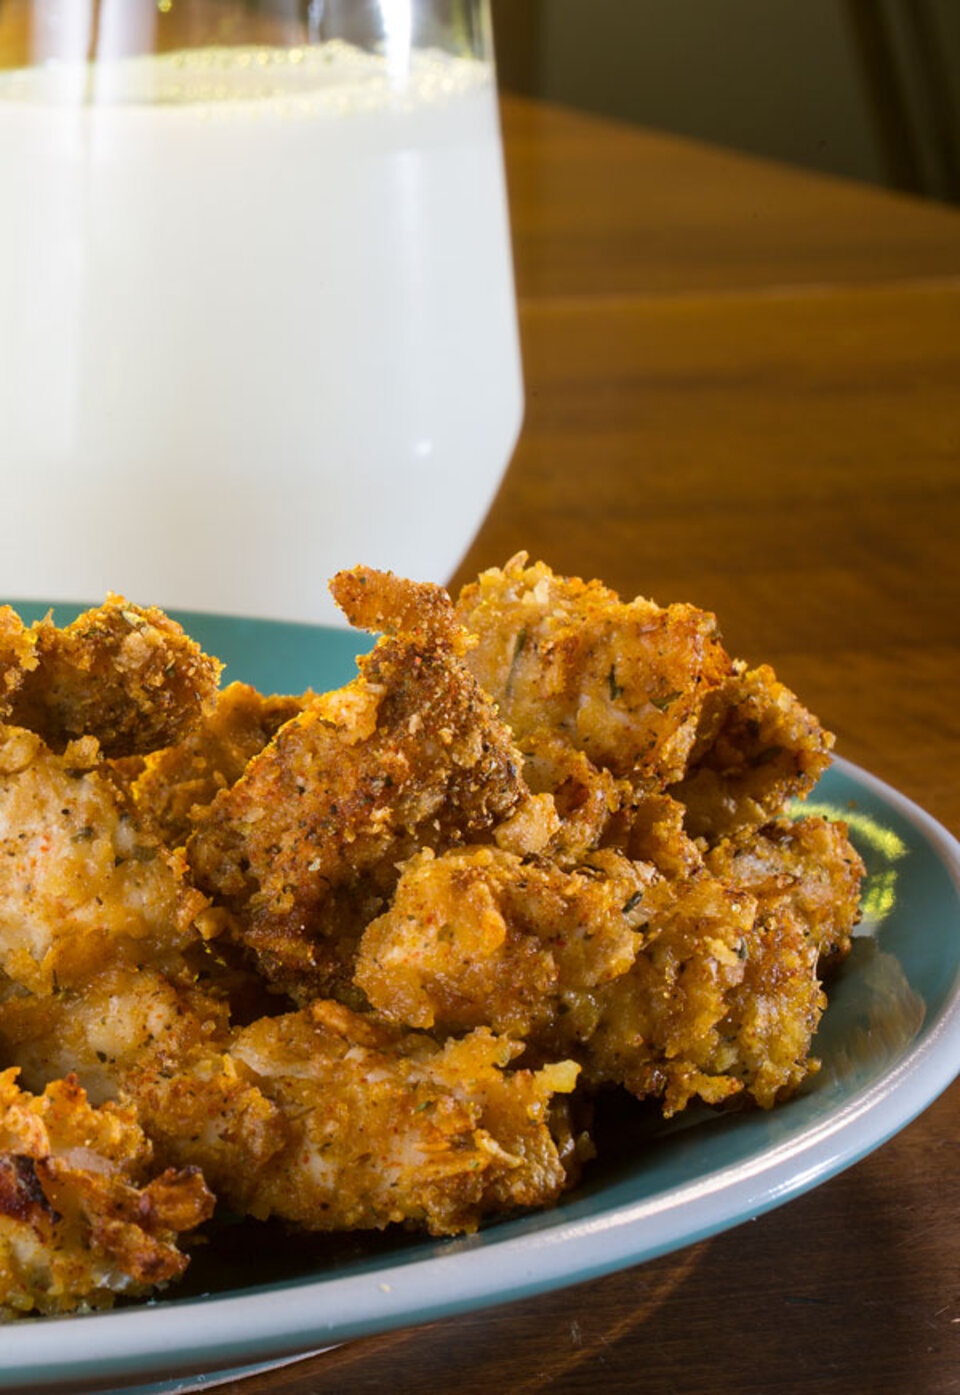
743 390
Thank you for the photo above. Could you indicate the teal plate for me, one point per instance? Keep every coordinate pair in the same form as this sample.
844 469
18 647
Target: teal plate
889 1043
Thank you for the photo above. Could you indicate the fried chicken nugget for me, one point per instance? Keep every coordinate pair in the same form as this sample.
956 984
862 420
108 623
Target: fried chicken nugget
387 1126
806 878
622 681
646 694
128 676
321 1118
482 937
611 963
674 987
81 1217
175 785
161 1047
657 1029
100 1029
82 883
593 809
758 747
792 897
584 797
411 754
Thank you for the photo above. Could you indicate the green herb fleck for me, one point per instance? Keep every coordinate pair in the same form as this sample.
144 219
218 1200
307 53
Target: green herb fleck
518 649
616 688
661 704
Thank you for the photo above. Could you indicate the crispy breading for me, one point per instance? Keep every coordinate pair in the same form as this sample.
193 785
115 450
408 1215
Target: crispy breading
585 798
175 785
411 754
805 876
17 655
646 694
757 747
593 809
791 893
83 1216
808 865
656 1029
699 985
611 963
82 883
103 1028
482 937
161 1046
388 1126
383 603
126 675
321 1117
650 828
584 868
622 681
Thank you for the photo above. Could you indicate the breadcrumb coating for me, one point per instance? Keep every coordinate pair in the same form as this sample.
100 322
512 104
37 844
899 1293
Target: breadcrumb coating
353 959
703 985
323 1118
483 937
758 747
17 655
82 882
83 1214
622 681
303 848
648 694
126 675
173 787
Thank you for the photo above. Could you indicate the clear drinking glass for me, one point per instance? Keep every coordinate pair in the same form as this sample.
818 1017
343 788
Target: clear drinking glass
257 318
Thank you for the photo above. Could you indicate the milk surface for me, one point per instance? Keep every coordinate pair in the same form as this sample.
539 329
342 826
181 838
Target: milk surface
256 323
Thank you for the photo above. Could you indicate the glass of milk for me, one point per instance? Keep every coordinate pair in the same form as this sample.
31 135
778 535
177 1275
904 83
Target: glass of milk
257 317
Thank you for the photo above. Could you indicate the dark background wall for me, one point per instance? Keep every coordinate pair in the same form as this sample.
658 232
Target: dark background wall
864 88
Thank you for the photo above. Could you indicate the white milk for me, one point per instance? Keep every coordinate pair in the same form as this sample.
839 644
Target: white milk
256 324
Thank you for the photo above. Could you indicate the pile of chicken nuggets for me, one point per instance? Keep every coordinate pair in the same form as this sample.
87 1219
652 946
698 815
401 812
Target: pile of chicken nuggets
355 959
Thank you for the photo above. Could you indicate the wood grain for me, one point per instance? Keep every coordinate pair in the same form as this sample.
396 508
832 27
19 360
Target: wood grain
601 208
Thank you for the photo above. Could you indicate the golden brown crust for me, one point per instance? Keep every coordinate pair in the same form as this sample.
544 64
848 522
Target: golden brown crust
174 786
387 1126
808 866
641 693
757 747
783 901
623 682
704 985
303 847
17 655
80 1217
322 1118
82 882
483 937
386 604
126 675
593 878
